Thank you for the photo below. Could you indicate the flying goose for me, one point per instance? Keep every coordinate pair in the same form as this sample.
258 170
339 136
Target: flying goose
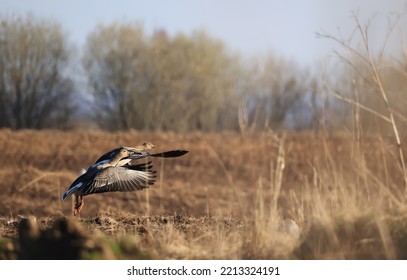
112 172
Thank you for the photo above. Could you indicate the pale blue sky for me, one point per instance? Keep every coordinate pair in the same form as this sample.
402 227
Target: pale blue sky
252 27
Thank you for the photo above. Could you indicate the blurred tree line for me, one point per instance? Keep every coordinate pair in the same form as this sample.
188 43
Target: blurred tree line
134 80
162 82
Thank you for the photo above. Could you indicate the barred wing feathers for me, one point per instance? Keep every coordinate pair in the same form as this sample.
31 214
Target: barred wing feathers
120 179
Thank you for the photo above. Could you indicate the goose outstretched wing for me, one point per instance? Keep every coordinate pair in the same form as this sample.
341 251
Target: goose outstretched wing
120 179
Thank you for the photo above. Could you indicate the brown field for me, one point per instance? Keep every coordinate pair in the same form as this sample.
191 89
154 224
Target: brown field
233 196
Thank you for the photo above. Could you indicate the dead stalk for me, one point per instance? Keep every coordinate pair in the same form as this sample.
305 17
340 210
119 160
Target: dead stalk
278 177
377 82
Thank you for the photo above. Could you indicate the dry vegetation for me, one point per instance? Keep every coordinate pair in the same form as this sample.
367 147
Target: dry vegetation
249 195
234 196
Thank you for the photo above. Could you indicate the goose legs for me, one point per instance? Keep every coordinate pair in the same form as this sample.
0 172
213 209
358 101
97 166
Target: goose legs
78 205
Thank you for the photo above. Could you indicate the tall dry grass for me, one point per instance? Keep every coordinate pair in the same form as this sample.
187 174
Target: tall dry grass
337 214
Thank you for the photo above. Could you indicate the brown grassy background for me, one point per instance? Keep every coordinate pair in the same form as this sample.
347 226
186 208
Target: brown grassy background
227 198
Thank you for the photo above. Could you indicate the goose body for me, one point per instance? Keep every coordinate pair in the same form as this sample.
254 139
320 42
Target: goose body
113 172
